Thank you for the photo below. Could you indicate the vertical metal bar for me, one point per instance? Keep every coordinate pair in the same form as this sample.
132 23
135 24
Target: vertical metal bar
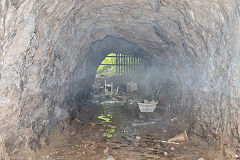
121 63
134 66
116 63
129 64
126 63
137 67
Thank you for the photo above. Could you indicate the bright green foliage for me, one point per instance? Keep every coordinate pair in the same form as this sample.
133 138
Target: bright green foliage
105 118
110 132
108 69
109 128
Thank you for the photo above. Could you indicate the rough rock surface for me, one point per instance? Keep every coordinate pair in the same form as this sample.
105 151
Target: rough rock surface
46 47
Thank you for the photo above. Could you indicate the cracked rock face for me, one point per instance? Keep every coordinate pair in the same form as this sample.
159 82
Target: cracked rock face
47 48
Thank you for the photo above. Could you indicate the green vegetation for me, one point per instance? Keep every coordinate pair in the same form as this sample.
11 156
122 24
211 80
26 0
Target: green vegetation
110 131
108 69
105 118
108 127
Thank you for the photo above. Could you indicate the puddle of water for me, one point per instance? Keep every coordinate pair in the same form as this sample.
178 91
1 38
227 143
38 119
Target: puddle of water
122 140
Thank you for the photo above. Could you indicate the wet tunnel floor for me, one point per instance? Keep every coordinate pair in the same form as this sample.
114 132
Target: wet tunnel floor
121 131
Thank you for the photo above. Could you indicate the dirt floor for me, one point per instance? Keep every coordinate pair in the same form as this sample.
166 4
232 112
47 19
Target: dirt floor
135 136
113 128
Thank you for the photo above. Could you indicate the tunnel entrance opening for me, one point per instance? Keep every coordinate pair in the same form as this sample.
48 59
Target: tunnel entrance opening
129 63
122 64
119 73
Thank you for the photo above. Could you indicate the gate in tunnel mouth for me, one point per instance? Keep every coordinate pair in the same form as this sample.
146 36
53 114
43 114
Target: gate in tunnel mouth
129 63
126 64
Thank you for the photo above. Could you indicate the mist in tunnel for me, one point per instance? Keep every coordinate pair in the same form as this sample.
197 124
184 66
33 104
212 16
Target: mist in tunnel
158 71
50 52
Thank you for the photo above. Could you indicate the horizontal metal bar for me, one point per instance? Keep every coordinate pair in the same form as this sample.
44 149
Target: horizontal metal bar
122 56
120 64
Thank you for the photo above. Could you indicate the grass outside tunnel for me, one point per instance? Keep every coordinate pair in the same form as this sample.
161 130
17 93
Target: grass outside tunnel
108 69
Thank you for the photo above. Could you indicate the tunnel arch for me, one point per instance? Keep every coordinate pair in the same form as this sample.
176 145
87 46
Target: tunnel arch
100 49
96 54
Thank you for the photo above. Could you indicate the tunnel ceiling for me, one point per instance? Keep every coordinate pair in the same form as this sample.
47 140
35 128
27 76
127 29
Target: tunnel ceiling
45 45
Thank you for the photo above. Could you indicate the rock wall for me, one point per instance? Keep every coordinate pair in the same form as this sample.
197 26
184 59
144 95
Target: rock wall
44 52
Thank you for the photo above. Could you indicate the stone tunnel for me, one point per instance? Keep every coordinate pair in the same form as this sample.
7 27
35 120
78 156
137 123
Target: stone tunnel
51 49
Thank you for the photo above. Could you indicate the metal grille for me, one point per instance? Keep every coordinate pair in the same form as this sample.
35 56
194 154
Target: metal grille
128 64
